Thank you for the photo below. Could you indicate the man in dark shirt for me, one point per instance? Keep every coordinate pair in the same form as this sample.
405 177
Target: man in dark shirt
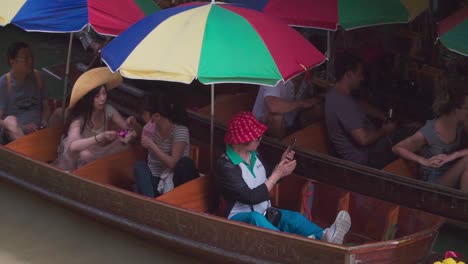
353 135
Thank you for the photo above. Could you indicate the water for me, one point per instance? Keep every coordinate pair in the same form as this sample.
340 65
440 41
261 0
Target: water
36 231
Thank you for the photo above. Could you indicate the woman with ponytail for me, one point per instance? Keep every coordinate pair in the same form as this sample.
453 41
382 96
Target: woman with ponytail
437 146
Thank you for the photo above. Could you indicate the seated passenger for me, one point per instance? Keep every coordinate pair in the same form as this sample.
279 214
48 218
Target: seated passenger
353 135
279 106
437 146
23 102
245 184
87 134
167 139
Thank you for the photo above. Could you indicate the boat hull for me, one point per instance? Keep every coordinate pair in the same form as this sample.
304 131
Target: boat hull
203 235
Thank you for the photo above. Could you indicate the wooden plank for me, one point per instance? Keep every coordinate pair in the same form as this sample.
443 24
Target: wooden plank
196 195
229 105
368 208
313 137
403 167
40 145
106 170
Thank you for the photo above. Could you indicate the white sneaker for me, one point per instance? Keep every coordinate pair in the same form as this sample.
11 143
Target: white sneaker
337 231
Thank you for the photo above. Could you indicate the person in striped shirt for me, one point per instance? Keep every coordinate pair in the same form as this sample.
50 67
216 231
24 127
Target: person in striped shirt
167 139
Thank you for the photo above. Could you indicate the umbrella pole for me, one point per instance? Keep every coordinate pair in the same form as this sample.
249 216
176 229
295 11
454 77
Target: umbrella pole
212 128
67 71
329 55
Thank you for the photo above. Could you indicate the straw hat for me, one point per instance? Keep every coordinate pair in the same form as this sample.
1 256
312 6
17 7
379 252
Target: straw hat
242 128
92 79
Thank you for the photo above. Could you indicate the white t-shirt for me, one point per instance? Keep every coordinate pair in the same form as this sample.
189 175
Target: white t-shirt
283 90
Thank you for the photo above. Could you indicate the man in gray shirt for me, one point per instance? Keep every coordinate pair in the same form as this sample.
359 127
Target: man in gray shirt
23 104
353 136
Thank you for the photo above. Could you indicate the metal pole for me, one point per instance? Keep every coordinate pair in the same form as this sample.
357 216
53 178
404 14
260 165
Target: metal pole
65 81
329 52
212 129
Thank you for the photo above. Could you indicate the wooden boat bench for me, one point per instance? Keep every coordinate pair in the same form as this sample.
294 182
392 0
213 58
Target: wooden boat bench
199 195
328 200
394 221
313 137
403 167
229 105
117 169
40 145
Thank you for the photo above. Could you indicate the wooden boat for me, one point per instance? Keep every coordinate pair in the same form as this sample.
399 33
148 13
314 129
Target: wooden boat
396 183
185 219
313 153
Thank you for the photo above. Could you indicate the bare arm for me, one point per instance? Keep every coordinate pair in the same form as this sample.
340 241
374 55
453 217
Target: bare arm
277 105
372 111
119 121
366 137
79 144
459 154
130 123
407 148
169 160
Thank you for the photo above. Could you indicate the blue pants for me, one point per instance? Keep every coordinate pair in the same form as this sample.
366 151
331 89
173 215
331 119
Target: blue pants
145 182
290 222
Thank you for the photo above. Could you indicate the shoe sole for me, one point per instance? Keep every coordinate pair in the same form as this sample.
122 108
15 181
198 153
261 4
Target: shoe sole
343 224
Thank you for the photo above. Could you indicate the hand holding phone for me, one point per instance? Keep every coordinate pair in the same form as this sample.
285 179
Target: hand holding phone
126 136
287 154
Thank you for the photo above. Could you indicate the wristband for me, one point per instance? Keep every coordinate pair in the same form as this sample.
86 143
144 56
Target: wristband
95 138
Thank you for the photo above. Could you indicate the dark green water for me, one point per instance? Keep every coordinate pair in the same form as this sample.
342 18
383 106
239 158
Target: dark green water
36 231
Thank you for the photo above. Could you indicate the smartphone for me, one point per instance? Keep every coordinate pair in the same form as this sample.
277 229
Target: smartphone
292 145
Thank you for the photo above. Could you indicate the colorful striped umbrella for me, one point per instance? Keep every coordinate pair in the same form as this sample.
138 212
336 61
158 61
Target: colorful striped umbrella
329 14
107 17
453 32
215 43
